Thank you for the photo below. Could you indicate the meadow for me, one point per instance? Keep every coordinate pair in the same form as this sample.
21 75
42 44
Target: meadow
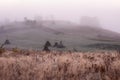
19 64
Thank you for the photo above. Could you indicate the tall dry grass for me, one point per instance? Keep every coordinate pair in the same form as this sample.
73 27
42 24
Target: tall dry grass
37 65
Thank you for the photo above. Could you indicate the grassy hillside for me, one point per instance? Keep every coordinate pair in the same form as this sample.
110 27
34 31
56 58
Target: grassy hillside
24 35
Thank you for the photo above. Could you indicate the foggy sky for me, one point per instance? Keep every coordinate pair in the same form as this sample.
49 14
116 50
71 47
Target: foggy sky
108 11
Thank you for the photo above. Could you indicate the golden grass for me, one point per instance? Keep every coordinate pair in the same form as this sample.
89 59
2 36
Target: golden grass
38 65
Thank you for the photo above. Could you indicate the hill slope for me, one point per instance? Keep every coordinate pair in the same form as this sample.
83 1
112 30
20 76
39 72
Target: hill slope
73 35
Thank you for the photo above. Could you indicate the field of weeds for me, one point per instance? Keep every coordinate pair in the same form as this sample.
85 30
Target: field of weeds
38 65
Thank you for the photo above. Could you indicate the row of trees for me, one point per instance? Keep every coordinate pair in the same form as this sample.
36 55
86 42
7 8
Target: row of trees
46 46
56 45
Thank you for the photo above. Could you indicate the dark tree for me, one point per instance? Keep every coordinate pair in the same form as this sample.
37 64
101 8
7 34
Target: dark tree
56 44
46 49
7 42
46 46
61 45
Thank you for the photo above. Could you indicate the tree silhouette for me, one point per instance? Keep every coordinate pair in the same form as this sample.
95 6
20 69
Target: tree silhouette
56 44
60 45
7 42
47 44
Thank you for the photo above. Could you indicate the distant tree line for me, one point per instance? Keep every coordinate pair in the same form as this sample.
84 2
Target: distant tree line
46 45
56 45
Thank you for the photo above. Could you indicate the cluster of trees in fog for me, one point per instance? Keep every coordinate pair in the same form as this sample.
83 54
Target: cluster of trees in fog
56 45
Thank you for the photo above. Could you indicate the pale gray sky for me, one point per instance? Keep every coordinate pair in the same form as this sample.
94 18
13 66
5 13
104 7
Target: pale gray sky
108 11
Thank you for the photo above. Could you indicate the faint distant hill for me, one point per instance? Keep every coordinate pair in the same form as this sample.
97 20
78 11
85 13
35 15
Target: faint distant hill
90 21
34 34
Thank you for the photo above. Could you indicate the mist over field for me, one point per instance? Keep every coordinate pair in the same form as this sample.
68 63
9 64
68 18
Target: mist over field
33 33
107 11
81 25
59 40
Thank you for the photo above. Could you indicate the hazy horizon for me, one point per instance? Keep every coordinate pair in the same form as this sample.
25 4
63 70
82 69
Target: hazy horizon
107 11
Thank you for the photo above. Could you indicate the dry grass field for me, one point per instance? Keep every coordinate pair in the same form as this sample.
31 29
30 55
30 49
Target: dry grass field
37 65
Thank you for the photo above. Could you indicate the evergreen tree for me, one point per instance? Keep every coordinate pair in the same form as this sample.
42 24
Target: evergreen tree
46 46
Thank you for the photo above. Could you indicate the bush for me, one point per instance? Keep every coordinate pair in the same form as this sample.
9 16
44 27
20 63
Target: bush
2 50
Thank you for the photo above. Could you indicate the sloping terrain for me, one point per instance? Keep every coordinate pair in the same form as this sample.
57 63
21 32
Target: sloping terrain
34 35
